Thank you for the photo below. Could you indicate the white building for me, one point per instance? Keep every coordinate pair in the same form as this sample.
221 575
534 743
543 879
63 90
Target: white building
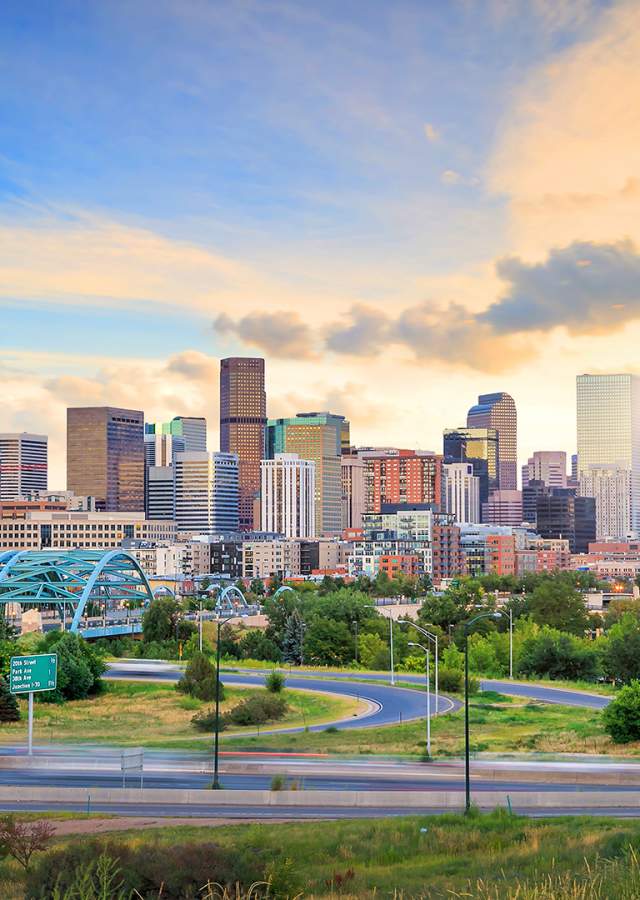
353 491
264 559
608 419
41 530
610 487
23 464
206 492
288 495
159 497
461 491
548 466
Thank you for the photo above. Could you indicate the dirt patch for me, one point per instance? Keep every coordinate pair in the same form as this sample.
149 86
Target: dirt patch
127 823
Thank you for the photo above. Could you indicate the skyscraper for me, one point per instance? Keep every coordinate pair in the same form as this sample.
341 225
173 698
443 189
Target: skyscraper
105 456
499 411
352 473
206 492
188 431
548 466
478 446
560 514
288 496
609 486
318 437
243 420
461 492
608 420
23 464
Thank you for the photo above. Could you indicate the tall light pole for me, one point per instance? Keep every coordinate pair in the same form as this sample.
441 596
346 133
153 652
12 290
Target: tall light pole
216 739
467 773
355 625
432 636
425 650
392 675
200 627
511 643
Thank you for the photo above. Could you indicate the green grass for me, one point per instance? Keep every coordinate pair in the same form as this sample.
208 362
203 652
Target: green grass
151 714
499 724
486 856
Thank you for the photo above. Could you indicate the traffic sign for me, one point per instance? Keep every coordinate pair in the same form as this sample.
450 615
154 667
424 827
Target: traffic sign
38 672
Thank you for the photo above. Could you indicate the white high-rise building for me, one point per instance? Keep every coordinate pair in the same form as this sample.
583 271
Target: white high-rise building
288 496
23 464
159 492
206 492
159 449
461 492
609 486
549 466
608 419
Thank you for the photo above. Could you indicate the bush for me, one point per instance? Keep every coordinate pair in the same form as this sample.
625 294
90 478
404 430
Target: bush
621 717
199 679
79 668
205 720
275 682
257 710
174 872
452 681
256 645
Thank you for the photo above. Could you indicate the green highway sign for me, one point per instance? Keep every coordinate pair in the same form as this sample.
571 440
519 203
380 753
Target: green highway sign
38 672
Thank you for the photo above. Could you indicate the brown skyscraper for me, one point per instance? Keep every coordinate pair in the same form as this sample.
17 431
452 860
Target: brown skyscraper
243 420
499 411
105 456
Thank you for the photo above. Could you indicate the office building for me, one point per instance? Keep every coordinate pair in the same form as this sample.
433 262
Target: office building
530 492
206 493
159 448
105 456
608 420
243 420
159 497
288 496
461 492
547 466
23 464
55 529
610 488
503 508
353 506
188 432
562 514
317 437
499 411
268 559
478 446
404 477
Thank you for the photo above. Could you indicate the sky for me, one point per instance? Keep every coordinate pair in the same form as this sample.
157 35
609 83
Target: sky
399 205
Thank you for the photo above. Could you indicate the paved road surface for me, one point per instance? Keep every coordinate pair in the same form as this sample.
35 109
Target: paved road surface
390 705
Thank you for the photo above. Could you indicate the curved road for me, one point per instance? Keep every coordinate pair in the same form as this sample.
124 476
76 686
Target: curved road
388 705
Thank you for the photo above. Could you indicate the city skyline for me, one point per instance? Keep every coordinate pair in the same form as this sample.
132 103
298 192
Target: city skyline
369 204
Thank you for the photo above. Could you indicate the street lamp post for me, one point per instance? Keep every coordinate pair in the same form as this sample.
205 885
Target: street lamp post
200 628
467 773
355 625
510 643
432 636
216 739
425 650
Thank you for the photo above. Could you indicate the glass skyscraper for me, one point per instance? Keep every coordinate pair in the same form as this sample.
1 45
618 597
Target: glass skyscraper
608 420
499 411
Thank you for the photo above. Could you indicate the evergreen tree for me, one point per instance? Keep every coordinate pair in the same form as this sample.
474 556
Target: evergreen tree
9 709
292 639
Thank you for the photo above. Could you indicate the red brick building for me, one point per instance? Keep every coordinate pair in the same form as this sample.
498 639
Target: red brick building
408 477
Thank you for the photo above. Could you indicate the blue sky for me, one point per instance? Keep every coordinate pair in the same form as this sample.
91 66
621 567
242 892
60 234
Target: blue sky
165 164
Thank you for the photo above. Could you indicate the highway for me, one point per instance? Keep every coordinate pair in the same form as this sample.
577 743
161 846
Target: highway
387 705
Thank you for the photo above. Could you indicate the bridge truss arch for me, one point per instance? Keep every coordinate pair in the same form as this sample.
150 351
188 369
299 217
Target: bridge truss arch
72 578
231 600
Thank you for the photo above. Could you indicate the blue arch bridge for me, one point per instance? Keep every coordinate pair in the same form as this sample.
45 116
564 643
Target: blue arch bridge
94 593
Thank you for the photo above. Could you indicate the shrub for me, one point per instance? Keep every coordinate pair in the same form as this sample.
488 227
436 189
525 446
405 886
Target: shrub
621 717
173 872
257 710
199 679
275 682
452 681
22 839
79 668
205 720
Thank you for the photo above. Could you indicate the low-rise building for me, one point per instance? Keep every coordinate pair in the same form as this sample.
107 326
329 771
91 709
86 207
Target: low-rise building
266 559
41 530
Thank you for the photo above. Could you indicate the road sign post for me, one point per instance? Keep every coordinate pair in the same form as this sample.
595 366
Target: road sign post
30 675
132 760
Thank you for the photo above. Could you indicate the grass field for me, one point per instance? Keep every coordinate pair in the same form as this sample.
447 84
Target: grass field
498 724
481 856
155 715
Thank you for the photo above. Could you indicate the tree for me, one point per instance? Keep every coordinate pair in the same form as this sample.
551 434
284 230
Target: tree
556 603
328 643
617 609
9 708
293 639
621 717
80 668
160 621
22 839
622 649
257 587
256 645
559 655
483 657
373 653
274 682
199 679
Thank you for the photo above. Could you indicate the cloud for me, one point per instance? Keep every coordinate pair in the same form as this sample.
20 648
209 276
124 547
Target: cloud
281 334
431 133
364 333
451 177
194 366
